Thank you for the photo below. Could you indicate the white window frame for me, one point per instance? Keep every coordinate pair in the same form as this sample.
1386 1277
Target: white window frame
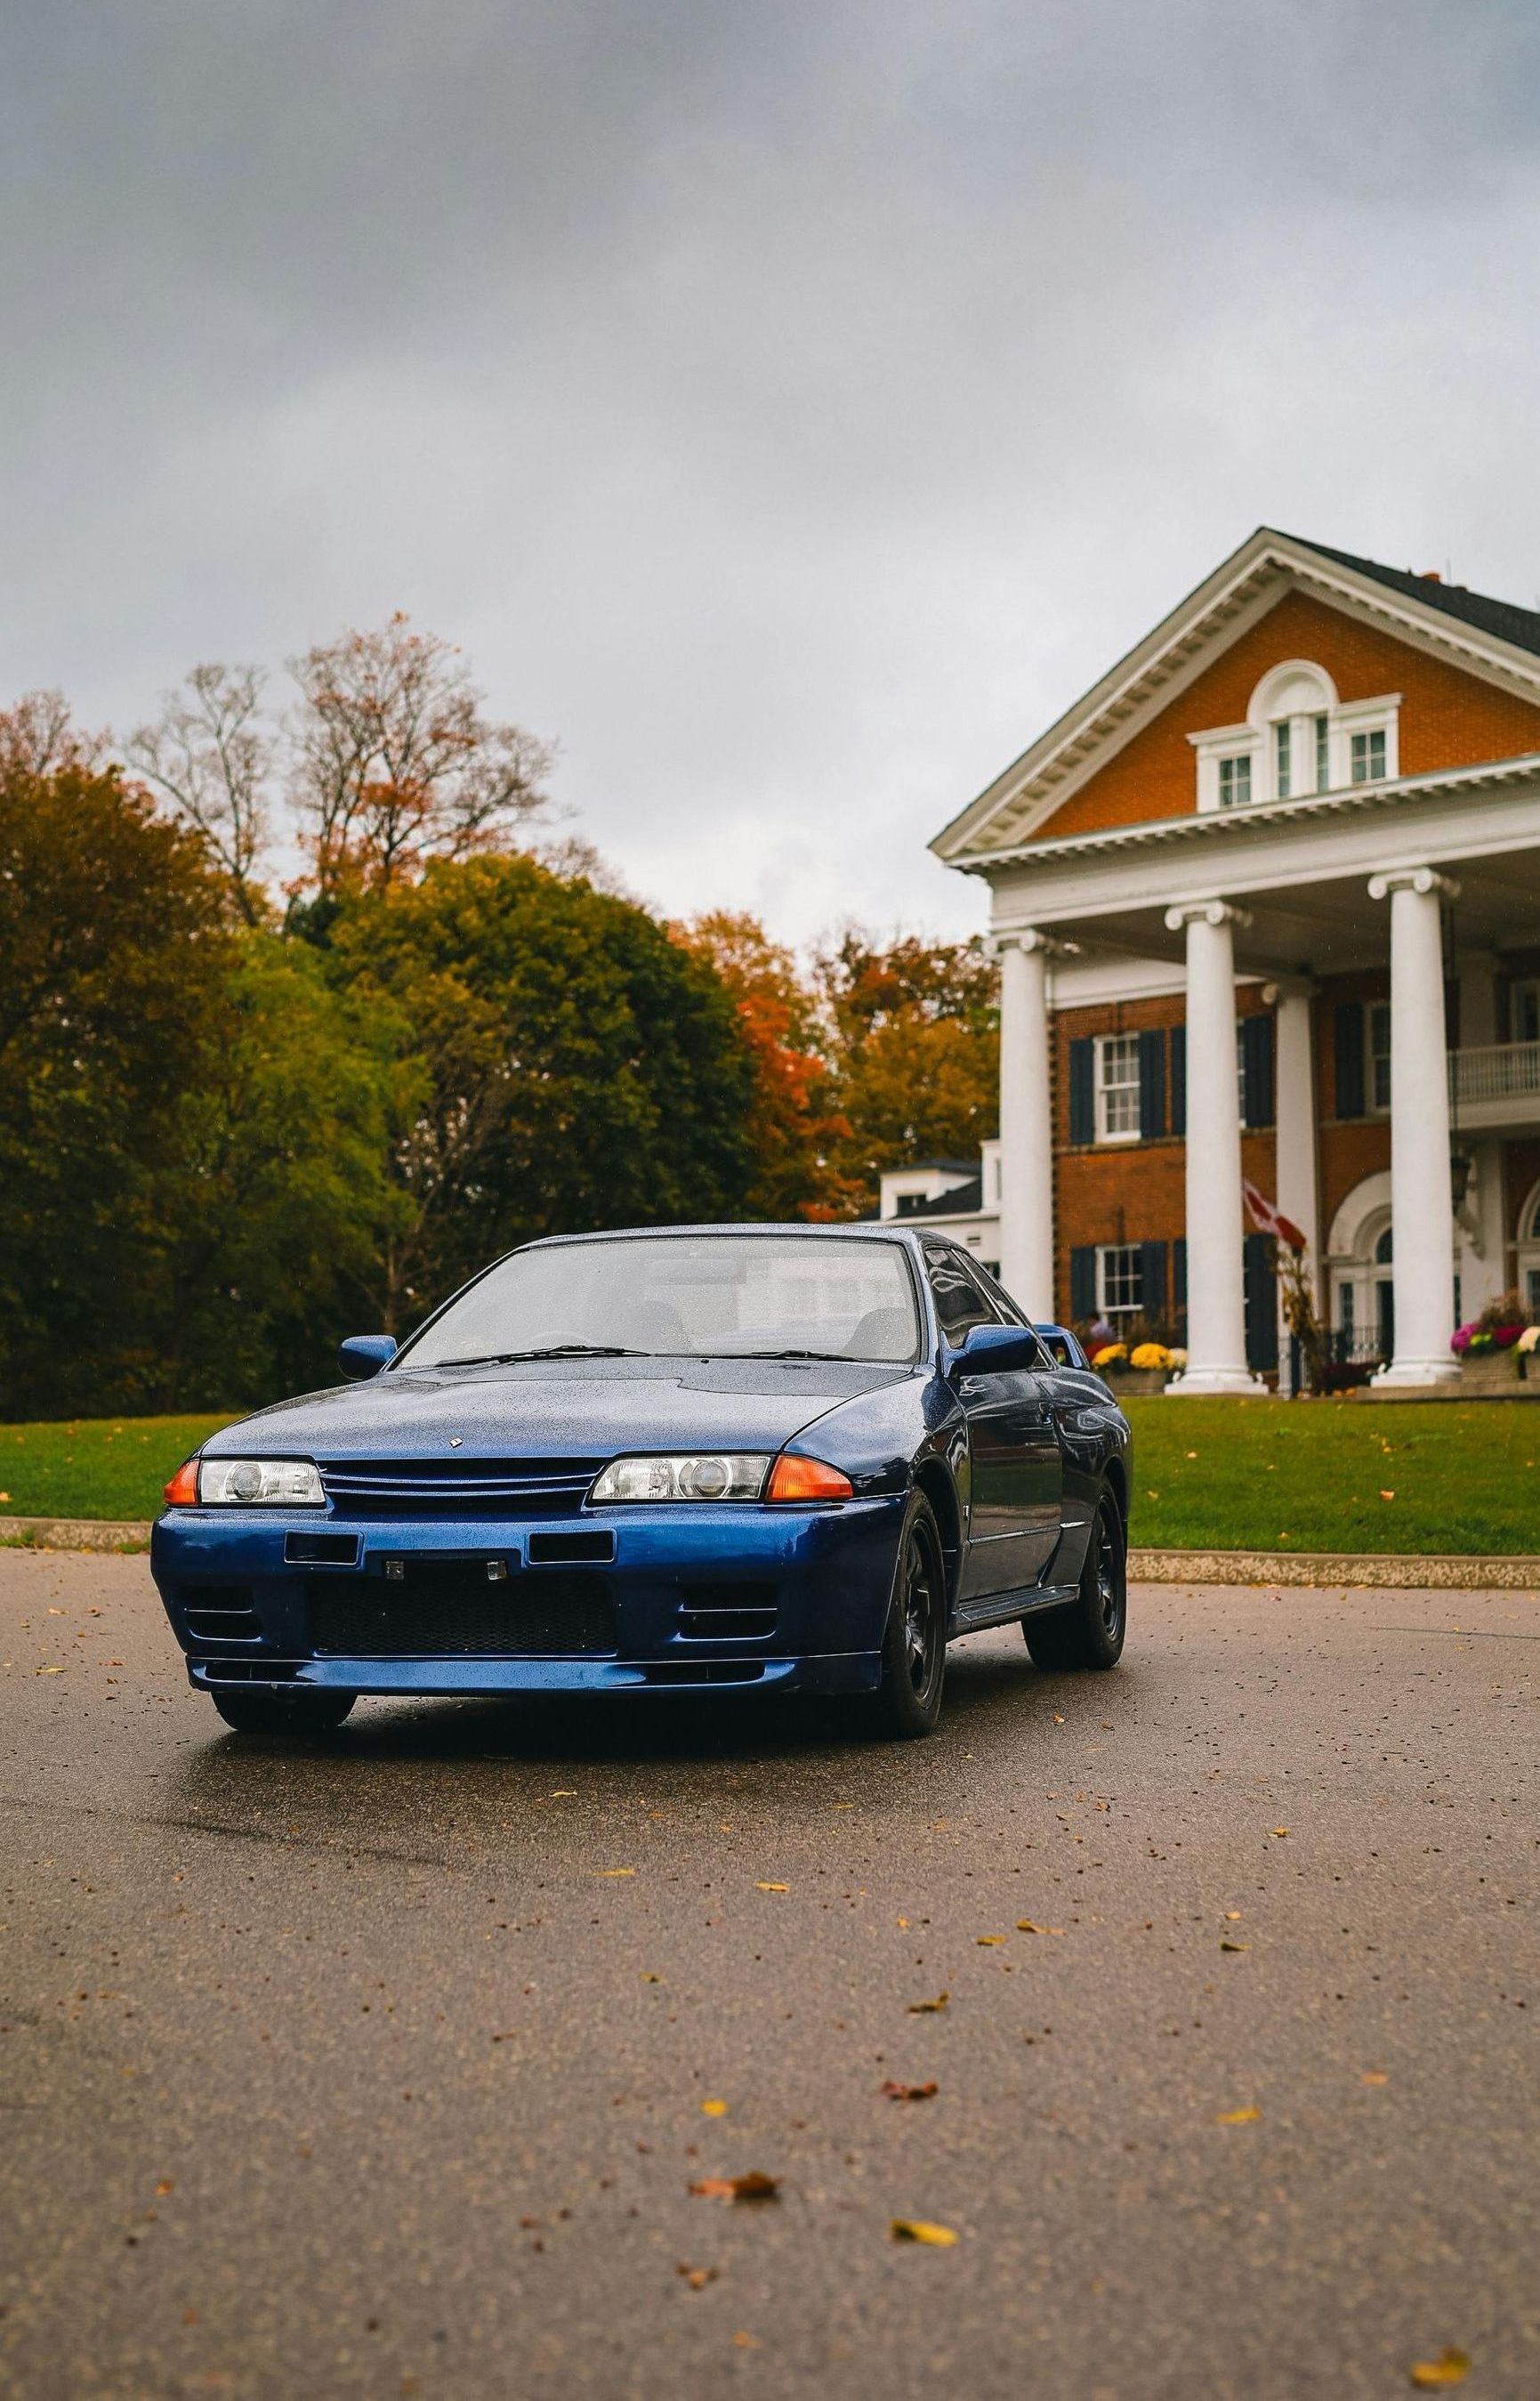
1290 698
1373 1106
1130 1276
1128 1046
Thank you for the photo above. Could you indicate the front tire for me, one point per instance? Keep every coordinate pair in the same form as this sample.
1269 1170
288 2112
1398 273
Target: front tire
1090 1632
297 1713
908 1702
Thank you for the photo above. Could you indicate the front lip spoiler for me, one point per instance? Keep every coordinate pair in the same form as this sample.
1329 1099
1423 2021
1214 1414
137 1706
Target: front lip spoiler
490 1675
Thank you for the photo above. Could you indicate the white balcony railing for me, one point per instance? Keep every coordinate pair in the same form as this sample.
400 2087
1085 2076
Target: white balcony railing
1499 1071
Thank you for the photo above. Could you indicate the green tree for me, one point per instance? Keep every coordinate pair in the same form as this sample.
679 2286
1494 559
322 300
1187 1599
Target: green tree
574 1068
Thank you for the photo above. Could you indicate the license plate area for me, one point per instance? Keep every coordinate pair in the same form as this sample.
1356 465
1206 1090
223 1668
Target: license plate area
459 1604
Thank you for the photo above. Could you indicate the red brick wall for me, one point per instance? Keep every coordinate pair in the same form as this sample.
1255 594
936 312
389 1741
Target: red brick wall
1448 718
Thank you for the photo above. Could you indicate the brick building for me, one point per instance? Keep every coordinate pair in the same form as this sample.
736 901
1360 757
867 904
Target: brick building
1267 901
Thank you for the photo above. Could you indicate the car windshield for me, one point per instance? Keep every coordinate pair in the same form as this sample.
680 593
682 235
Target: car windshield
704 1295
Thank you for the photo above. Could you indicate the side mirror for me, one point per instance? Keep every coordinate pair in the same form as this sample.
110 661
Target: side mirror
997 1350
365 1354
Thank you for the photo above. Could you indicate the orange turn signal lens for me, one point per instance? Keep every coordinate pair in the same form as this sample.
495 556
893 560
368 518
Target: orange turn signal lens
806 1479
182 1491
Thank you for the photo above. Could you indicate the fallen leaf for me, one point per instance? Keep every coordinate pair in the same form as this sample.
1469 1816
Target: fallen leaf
508 2034
1280 1832
51 1671
697 2278
1231 1914
1057 1720
562 1794
1452 2367
746 2341
649 1979
892 2091
1246 2117
1227 1945
902 1921
920 2229
927 2009
1375 2076
772 1888
164 2187
1026 1926
753 2187
1387 1496
715 2108
988 1942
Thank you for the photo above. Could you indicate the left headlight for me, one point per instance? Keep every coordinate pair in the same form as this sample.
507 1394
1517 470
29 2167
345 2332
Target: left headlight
693 1475
252 1483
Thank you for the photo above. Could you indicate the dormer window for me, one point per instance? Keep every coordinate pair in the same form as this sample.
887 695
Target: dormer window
1234 780
1299 739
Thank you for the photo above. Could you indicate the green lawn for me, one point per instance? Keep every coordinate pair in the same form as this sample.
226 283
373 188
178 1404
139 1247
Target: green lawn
1265 1476
95 1467
1313 1476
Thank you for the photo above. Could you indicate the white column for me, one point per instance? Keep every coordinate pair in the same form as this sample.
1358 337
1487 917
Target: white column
1421 1213
1298 1181
1026 1125
1216 1289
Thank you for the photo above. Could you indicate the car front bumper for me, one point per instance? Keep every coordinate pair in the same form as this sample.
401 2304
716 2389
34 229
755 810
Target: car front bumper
695 1596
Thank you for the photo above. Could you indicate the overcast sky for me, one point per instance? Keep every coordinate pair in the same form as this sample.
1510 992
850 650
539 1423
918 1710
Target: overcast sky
788 404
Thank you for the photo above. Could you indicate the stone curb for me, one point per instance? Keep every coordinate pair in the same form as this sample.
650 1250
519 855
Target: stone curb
1447 1572
75 1533
1439 1572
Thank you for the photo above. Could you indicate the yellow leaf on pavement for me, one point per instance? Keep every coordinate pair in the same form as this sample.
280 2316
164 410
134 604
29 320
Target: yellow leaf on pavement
772 1888
1026 1926
617 1871
920 2229
1452 2367
926 2009
988 1941
1246 2117
715 2108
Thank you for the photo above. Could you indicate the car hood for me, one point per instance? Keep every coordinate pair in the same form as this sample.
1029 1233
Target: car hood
541 1409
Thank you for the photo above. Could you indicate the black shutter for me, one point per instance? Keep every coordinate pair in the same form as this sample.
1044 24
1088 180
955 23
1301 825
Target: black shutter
1347 1027
1151 1084
1261 1304
1083 1283
1153 1278
1179 1079
1083 1098
1257 1052
1178 1272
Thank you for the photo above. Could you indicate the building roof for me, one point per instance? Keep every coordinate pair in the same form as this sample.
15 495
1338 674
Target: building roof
1492 638
1503 618
958 1201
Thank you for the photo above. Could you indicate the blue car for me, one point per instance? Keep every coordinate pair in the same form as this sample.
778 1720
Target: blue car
770 1457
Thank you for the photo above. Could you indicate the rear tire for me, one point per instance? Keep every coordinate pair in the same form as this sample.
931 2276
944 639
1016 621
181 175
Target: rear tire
908 1702
300 1712
1090 1632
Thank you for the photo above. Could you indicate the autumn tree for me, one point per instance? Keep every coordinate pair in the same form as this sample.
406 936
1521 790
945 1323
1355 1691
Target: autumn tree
565 1067
796 1125
392 761
915 1039
210 754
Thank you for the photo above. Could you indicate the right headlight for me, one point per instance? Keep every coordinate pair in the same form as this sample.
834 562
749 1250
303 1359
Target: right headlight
260 1483
690 1475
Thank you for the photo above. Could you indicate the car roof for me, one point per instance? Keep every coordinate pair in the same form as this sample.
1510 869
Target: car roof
884 1229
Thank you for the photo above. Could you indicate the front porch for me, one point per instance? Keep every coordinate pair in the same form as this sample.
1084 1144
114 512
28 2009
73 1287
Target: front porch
1426 889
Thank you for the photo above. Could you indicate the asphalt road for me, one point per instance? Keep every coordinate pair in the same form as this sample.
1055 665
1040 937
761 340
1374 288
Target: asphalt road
386 2067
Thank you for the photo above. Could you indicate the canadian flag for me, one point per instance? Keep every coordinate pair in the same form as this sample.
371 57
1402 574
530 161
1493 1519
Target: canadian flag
1269 1220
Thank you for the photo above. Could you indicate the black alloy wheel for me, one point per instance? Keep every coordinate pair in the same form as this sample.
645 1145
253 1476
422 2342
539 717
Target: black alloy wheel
302 1711
913 1651
1089 1633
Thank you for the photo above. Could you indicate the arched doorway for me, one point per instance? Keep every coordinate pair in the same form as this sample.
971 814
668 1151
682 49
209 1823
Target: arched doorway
1360 1275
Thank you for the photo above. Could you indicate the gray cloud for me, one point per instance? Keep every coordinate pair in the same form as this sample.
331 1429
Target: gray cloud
789 406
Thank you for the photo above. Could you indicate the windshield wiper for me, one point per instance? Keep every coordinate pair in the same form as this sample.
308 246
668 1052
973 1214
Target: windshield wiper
843 1358
553 1350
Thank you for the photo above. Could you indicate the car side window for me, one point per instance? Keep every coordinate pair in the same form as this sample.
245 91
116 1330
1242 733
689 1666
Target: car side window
961 1300
1005 1307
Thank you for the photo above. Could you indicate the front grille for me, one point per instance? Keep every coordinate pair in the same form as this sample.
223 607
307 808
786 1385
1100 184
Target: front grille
730 1610
221 1613
452 1608
458 1488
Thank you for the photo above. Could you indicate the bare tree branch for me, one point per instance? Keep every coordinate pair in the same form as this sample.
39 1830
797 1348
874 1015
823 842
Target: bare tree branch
211 754
391 761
